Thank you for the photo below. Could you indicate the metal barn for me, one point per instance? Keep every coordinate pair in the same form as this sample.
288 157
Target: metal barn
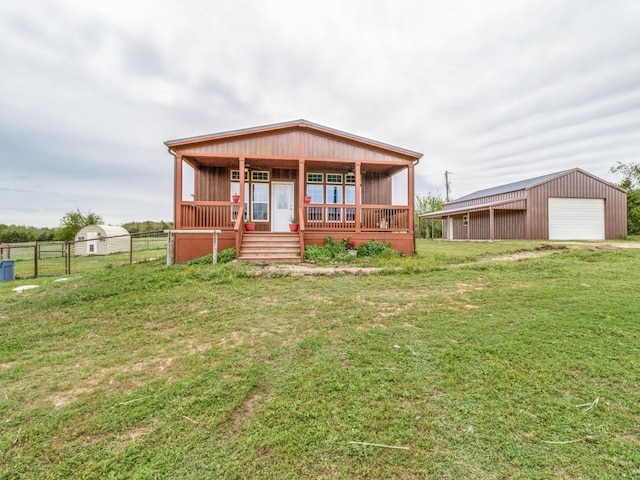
567 205
102 240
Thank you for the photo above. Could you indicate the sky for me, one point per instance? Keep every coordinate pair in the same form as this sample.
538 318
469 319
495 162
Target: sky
492 91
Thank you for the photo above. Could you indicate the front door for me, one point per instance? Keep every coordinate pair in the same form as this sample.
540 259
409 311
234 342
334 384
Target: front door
281 206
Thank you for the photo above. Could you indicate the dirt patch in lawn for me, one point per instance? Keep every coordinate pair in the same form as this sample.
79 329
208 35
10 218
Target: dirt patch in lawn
301 270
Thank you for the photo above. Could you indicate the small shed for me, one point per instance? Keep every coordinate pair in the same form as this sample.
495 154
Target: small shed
102 240
567 205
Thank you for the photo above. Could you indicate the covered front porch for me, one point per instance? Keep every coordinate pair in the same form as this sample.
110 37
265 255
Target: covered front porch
316 186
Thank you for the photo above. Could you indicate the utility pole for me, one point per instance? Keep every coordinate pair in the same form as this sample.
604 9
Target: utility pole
447 184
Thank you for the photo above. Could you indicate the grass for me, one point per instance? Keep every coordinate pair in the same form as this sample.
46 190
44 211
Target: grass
194 372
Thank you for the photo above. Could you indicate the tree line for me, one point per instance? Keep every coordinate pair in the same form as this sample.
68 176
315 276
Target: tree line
70 224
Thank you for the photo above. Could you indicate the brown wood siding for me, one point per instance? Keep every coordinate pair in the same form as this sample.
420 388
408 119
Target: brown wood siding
212 184
577 185
325 146
376 189
286 144
281 144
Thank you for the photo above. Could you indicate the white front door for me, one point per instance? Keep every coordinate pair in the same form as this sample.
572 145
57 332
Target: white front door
281 206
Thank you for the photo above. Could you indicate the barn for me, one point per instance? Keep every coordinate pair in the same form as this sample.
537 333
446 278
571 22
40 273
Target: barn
567 205
102 240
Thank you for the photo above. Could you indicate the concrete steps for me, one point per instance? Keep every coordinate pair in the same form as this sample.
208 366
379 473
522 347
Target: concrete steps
259 247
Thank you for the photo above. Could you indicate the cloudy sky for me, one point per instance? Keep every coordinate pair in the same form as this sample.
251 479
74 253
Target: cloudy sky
492 91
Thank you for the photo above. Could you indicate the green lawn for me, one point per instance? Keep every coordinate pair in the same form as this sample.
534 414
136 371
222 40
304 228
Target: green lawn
481 369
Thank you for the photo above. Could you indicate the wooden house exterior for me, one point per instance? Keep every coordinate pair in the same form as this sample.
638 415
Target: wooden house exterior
568 205
347 179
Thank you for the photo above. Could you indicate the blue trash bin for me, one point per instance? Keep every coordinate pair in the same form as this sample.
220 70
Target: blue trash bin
7 270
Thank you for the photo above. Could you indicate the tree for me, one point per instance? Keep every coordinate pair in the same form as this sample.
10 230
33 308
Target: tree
425 204
74 221
631 181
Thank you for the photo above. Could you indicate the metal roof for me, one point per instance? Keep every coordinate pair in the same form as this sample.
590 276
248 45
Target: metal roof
510 187
472 208
294 123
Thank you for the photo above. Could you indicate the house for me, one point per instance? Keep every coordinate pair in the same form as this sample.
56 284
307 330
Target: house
348 181
101 240
567 205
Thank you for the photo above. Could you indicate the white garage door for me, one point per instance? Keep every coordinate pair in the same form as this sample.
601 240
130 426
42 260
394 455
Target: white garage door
576 219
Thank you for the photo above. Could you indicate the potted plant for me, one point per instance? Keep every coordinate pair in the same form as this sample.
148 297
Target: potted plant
235 197
293 224
250 226
307 199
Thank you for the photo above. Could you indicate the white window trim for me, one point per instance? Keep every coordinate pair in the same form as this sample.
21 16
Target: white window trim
315 181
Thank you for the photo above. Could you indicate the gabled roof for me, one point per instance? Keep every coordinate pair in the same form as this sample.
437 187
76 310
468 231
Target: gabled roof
301 123
511 187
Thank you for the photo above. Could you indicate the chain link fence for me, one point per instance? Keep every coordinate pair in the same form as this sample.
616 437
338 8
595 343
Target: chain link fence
59 258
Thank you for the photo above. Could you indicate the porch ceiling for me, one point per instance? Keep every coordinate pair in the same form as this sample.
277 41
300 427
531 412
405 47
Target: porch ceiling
267 163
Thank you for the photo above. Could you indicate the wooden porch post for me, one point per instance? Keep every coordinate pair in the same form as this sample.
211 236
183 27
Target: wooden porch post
301 182
240 221
358 199
411 200
241 166
177 189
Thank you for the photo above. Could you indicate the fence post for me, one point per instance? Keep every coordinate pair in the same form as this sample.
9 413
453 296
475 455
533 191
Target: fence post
170 243
214 256
68 258
35 260
130 249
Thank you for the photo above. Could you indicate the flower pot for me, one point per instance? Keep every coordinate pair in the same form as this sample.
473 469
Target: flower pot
293 227
250 227
235 197
307 199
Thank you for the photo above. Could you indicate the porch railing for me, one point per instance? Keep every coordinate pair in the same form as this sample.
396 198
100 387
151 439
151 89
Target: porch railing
208 214
224 215
372 217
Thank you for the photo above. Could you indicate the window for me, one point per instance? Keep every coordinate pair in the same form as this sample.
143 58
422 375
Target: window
314 214
316 193
334 214
350 178
334 194
259 176
350 215
334 178
259 202
465 220
315 177
235 190
235 175
350 195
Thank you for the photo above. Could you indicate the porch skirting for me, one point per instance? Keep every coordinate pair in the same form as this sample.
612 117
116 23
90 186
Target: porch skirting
190 246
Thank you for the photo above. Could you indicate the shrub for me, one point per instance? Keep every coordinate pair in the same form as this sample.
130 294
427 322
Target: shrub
371 248
330 251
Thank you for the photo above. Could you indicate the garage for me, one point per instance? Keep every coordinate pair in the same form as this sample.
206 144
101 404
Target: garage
568 205
576 219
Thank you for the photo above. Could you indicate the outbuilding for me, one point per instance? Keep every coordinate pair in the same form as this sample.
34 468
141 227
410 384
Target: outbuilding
567 205
102 240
